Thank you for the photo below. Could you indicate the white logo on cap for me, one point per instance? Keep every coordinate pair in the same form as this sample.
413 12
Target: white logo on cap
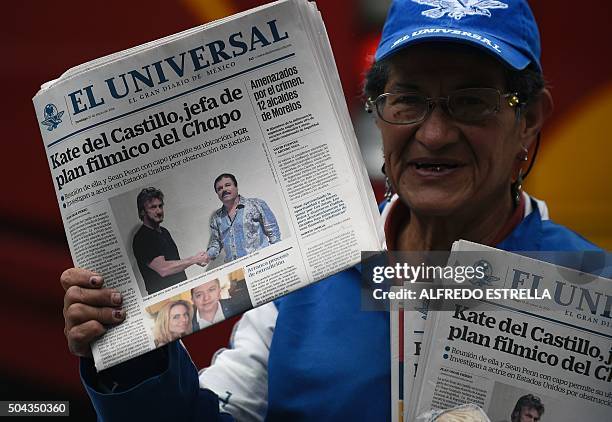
457 9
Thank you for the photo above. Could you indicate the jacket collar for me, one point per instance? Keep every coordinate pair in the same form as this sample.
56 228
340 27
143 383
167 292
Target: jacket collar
524 234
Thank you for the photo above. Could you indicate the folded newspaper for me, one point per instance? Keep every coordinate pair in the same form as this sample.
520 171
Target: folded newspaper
208 172
398 360
549 351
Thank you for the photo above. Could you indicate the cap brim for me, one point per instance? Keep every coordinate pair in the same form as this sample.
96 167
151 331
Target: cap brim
498 48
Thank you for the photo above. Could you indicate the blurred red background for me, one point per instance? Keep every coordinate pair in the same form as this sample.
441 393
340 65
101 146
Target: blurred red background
42 40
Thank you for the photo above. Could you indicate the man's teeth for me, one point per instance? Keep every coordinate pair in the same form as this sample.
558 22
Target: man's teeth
434 166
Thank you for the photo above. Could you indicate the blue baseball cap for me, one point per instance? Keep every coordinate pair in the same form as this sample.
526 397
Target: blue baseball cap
505 28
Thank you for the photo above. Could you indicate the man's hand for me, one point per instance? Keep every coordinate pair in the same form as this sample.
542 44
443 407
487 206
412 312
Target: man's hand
202 259
88 309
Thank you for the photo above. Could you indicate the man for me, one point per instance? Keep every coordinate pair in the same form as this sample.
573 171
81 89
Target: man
528 408
242 225
453 129
209 307
156 253
239 293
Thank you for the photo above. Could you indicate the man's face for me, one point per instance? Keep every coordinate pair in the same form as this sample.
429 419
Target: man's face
179 320
226 189
206 297
529 414
441 166
153 212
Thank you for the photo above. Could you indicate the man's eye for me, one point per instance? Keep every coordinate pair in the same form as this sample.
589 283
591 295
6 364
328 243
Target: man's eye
469 100
407 99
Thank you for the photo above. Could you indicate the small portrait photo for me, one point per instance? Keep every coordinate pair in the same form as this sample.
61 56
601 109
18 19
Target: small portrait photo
220 298
205 304
513 404
171 319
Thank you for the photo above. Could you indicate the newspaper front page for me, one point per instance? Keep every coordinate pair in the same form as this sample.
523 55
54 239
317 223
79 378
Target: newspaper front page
492 353
249 106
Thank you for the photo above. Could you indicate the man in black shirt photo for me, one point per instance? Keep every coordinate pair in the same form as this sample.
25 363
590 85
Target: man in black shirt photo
156 253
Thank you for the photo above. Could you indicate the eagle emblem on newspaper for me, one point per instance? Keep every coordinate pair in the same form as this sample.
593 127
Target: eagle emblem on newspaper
457 9
423 308
53 117
488 278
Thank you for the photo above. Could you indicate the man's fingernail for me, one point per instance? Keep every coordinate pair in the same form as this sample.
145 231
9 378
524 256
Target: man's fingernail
116 298
95 280
118 314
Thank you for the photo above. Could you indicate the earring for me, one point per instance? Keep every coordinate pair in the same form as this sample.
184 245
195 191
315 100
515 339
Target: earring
388 188
516 188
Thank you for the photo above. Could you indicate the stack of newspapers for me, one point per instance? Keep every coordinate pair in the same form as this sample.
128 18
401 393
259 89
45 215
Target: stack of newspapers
219 161
539 338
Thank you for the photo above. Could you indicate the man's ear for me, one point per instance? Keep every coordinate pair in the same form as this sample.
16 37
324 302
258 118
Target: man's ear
534 115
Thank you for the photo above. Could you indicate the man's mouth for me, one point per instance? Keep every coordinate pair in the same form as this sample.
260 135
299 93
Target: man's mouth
438 167
435 166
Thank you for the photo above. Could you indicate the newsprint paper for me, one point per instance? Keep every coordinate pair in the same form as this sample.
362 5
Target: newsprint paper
415 318
491 352
396 338
255 97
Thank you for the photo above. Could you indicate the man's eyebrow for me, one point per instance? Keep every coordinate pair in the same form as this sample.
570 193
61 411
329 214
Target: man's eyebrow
404 86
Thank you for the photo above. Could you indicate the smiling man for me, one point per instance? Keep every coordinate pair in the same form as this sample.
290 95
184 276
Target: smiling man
156 253
242 225
209 307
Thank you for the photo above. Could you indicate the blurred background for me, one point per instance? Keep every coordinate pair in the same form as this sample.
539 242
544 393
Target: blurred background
41 40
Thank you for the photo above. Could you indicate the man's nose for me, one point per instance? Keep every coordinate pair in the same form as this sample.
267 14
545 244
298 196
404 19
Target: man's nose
437 130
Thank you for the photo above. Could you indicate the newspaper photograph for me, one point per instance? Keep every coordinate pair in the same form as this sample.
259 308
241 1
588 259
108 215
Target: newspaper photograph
551 355
208 172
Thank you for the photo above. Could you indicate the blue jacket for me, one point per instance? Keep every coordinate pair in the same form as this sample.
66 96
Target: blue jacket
328 359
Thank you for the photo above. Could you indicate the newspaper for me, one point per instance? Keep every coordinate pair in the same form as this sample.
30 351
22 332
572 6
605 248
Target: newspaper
396 338
406 327
254 97
491 353
415 318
